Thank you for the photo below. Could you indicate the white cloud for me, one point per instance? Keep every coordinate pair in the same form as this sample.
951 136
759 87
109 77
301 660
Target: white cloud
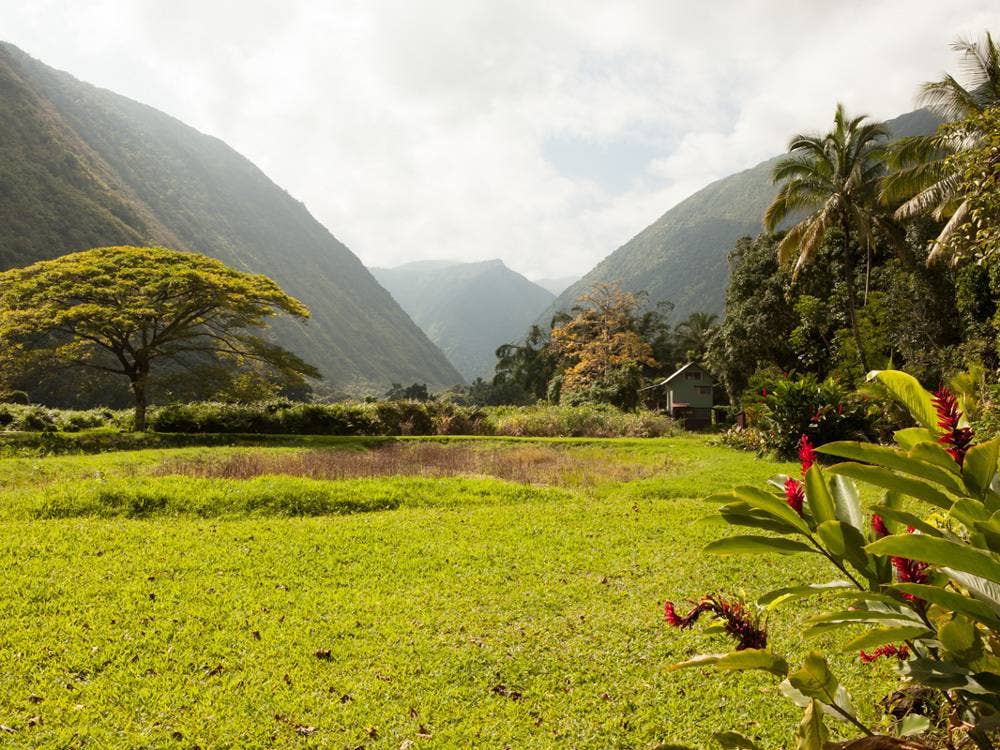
417 130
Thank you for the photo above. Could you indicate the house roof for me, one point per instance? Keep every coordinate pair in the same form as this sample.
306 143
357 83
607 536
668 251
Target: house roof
689 364
666 381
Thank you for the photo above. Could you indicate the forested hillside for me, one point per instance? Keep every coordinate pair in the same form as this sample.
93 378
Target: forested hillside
682 256
82 167
467 309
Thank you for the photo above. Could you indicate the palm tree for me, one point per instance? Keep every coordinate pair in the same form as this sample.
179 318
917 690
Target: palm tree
920 176
834 177
695 333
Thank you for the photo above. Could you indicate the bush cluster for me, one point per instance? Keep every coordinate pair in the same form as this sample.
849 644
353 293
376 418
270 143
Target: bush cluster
34 418
377 418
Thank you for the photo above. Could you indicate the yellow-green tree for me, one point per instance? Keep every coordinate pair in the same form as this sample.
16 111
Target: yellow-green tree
599 348
126 310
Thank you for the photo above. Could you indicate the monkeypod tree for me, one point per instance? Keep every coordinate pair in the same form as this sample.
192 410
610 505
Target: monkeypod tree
128 310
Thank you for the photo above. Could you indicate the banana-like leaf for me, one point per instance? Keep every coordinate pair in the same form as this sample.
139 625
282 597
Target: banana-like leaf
910 437
889 480
897 460
940 552
951 600
887 635
741 514
907 519
780 596
907 390
738 661
935 454
819 496
848 501
845 543
779 509
980 466
757 545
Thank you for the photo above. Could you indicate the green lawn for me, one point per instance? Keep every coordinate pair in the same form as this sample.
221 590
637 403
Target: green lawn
475 612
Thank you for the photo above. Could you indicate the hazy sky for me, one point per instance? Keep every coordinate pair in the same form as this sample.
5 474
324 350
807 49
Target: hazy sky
544 133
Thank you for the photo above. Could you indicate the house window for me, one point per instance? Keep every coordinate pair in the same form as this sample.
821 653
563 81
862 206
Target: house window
692 376
704 389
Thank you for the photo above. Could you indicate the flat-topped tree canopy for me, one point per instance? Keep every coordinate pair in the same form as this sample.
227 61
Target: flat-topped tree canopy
121 309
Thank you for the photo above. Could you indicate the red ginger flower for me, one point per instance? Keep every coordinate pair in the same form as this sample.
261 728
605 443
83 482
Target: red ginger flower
949 415
879 527
795 494
807 454
887 651
739 622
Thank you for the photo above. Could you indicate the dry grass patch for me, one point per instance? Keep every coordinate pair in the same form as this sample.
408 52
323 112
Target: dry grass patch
532 464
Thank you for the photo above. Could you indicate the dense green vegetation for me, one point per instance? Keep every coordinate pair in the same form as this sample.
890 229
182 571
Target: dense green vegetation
83 167
131 311
477 612
370 418
467 309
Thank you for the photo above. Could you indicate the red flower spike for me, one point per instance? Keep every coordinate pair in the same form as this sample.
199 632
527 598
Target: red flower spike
739 622
958 439
807 454
795 494
885 652
878 526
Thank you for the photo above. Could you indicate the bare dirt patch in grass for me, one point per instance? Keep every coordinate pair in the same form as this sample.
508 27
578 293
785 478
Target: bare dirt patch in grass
526 464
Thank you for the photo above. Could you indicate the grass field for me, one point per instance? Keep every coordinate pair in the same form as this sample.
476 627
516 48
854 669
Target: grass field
446 593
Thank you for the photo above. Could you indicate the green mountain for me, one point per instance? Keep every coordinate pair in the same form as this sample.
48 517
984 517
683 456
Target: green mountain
683 256
83 167
467 309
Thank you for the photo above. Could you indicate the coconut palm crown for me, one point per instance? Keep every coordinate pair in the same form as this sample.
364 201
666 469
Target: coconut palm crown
921 179
834 177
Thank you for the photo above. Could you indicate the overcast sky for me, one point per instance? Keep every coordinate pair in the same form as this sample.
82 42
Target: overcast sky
544 133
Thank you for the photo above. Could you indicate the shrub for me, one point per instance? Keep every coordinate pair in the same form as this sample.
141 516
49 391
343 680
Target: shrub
796 406
923 588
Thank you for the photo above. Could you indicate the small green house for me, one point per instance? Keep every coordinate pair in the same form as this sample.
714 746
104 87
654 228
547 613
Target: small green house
689 395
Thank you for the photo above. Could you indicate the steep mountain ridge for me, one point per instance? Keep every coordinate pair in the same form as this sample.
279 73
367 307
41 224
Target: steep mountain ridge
83 167
683 256
467 309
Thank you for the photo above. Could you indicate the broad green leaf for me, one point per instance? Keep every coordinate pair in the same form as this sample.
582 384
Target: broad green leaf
741 514
757 545
791 593
911 437
943 675
842 700
738 661
818 495
901 618
889 480
951 600
811 734
757 498
935 454
914 724
886 635
907 390
844 542
897 460
980 466
734 741
848 501
907 519
940 552
814 678
959 637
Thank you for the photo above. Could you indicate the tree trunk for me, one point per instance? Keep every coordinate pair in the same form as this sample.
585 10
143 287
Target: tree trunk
852 300
138 383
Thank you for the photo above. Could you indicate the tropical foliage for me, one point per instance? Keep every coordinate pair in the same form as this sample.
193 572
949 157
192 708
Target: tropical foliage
916 576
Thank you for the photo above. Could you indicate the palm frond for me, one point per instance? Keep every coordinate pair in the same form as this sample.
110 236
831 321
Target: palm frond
941 247
928 199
